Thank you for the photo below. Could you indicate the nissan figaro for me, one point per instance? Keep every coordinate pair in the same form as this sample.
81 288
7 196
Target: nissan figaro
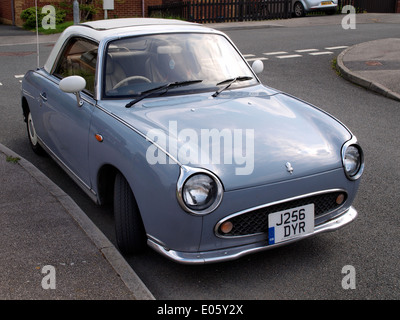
168 122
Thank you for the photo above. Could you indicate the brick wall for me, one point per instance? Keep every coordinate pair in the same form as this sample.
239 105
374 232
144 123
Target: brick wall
398 6
128 9
122 9
5 12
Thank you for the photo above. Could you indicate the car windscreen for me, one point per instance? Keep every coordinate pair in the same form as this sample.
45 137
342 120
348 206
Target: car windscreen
138 64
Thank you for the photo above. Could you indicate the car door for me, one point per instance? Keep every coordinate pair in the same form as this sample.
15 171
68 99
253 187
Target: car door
67 123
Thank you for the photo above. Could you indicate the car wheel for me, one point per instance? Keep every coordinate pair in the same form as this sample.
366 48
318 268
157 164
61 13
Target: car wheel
33 138
129 229
298 10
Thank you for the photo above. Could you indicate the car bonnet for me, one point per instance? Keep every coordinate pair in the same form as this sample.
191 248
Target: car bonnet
247 137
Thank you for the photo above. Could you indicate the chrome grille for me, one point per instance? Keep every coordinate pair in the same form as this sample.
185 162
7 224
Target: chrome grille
256 221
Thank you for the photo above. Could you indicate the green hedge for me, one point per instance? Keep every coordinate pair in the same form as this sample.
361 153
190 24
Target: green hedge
29 16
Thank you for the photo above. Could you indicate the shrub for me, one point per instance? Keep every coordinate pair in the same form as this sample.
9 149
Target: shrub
29 16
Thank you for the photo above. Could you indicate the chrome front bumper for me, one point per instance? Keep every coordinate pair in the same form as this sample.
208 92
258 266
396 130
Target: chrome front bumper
236 252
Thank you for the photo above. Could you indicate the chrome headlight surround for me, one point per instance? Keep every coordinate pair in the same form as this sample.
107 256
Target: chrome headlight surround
352 159
198 191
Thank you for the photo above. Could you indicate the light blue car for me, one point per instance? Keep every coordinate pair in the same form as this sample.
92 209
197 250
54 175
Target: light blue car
301 7
165 120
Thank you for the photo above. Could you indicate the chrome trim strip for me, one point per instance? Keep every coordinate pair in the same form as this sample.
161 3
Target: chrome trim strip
223 255
353 141
269 205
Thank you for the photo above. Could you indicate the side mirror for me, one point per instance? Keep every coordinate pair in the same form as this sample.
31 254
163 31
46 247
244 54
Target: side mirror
257 66
73 84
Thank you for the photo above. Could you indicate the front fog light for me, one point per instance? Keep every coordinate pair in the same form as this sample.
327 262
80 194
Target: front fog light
199 192
353 161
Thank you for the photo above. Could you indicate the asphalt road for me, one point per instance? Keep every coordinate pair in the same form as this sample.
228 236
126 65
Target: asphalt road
310 269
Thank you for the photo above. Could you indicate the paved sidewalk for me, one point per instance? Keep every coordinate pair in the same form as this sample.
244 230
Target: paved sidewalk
374 65
11 35
40 227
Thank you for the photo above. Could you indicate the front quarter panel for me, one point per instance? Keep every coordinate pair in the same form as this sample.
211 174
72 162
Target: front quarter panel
154 186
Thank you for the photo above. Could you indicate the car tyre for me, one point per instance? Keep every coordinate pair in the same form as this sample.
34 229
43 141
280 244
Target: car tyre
298 10
129 229
33 138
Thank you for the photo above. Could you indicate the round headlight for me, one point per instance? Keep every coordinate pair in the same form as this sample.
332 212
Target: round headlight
199 192
353 161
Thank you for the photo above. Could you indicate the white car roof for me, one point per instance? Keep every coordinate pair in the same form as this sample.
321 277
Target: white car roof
132 22
101 29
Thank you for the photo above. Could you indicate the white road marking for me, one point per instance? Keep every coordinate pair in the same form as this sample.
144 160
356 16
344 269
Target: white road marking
286 55
19 76
336 48
320 53
290 56
274 53
253 59
306 50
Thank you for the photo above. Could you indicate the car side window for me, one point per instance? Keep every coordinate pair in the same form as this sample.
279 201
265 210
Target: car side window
78 59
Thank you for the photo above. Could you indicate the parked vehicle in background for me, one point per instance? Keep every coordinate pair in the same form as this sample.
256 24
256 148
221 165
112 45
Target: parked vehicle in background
302 7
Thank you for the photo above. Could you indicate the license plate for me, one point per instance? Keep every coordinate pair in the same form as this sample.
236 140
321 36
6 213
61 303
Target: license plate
325 3
290 224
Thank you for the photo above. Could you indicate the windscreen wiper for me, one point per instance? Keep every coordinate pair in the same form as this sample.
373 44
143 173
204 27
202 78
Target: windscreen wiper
165 87
229 82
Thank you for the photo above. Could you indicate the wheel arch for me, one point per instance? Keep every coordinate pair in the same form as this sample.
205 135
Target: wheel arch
105 183
25 108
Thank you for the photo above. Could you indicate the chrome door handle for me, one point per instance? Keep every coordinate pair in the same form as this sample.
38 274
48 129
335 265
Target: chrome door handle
43 96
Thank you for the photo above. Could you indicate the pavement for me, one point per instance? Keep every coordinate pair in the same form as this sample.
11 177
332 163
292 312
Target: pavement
374 65
52 251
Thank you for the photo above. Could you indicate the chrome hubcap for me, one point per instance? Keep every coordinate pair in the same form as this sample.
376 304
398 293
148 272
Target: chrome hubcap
31 130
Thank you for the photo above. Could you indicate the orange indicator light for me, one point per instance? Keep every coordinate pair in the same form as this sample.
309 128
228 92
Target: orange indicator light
340 199
99 137
226 227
